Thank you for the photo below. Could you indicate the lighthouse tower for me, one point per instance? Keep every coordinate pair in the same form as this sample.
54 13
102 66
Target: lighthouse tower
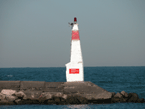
74 69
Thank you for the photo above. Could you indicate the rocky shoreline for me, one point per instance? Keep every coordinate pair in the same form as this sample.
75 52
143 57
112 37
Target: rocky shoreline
60 93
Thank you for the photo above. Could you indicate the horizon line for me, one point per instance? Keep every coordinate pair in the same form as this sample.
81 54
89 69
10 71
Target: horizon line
64 66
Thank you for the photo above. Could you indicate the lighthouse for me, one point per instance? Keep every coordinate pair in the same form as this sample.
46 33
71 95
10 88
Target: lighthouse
74 69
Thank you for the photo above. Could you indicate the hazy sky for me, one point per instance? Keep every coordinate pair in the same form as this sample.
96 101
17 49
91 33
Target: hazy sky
35 33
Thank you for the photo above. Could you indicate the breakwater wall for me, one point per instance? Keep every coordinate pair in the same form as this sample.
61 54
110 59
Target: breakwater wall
40 92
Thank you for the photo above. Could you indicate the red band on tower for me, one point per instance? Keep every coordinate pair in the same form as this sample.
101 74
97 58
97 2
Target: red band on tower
75 35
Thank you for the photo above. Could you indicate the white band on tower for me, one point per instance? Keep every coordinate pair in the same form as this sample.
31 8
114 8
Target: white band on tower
75 27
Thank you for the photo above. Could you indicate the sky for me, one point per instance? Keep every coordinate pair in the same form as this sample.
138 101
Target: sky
35 33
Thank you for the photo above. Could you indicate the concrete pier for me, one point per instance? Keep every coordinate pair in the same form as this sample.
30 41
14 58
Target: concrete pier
40 92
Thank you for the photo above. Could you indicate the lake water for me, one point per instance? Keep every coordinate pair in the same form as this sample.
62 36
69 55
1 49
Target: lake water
113 79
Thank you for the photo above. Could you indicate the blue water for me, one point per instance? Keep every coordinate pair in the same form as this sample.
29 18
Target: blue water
113 79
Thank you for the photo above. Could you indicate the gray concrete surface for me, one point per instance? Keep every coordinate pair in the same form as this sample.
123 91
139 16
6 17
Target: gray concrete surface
40 92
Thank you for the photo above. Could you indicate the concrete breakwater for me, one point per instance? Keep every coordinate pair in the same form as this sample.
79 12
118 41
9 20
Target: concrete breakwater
40 92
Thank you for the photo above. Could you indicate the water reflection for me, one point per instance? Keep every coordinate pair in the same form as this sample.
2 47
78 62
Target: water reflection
78 107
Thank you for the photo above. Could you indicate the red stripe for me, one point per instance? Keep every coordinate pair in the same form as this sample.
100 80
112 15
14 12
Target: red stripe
75 35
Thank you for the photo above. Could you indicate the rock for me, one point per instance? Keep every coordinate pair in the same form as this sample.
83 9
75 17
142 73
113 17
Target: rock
124 94
25 97
28 101
64 96
82 100
5 102
2 96
133 97
32 95
114 100
50 101
19 94
75 99
118 95
117 98
124 100
11 98
57 100
8 92
44 97
47 95
52 97
72 100
58 94
17 101
141 100
113 93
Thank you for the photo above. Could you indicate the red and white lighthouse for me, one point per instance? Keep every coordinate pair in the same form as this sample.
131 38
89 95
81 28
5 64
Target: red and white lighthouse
74 69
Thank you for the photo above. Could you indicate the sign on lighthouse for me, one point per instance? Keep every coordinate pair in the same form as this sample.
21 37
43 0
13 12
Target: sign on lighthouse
74 69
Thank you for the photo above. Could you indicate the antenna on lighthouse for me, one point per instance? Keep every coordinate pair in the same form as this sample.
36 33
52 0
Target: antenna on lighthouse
74 69
75 21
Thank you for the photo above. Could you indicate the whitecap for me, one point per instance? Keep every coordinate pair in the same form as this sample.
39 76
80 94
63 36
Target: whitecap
9 75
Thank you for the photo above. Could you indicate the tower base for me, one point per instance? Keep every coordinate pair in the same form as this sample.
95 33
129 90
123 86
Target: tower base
74 72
